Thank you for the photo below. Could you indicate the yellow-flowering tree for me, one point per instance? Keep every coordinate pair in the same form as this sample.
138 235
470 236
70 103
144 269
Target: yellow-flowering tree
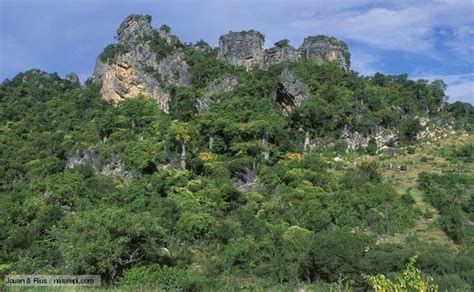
294 156
205 156
411 279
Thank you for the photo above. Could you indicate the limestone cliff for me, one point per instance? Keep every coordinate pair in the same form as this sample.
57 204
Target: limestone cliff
291 91
146 61
246 48
226 84
143 62
280 53
243 48
325 49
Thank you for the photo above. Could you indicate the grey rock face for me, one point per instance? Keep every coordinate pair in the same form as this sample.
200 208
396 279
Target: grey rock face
115 168
246 49
227 84
84 157
280 53
355 140
385 137
132 28
247 181
325 49
290 91
242 49
174 69
72 77
137 70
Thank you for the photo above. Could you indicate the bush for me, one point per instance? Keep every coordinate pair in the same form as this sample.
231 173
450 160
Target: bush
334 253
365 173
139 276
409 130
197 225
111 52
372 146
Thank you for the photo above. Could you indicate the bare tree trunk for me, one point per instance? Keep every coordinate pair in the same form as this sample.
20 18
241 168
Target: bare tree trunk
183 155
266 155
306 142
211 142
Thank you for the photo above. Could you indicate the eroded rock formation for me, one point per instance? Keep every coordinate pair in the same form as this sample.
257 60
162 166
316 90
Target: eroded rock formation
133 67
73 78
114 168
325 49
243 48
246 49
281 52
290 91
224 85
145 61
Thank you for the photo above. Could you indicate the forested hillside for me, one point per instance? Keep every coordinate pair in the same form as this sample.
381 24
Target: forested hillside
241 181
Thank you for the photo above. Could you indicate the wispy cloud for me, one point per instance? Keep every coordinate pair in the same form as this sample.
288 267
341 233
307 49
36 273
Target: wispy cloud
406 27
365 63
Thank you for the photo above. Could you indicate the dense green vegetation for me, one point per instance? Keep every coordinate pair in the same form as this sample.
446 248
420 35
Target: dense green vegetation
249 210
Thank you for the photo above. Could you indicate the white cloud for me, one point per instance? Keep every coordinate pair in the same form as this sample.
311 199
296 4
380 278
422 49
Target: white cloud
364 63
405 26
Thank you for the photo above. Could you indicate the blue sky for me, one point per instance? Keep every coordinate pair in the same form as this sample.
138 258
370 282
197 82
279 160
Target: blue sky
426 39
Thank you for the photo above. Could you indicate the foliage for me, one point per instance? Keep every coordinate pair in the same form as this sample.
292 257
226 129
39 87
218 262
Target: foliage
410 280
450 194
111 52
372 146
91 188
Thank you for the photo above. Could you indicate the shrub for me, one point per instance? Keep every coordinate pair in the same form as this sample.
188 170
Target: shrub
196 225
372 146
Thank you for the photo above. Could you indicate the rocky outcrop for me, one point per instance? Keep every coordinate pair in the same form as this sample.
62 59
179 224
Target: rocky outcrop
145 61
246 181
73 78
282 52
122 80
133 28
84 157
133 67
325 49
114 168
290 91
226 84
383 137
243 48
246 49
174 69
354 140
